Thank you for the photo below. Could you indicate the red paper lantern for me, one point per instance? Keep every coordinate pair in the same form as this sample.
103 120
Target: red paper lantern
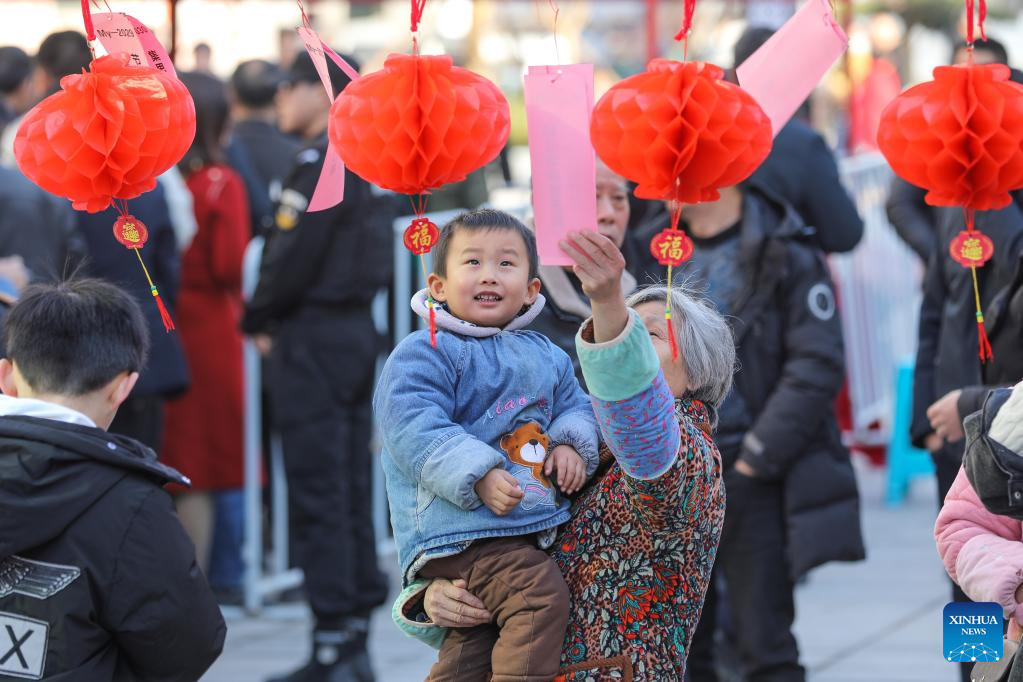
107 134
959 136
418 123
680 132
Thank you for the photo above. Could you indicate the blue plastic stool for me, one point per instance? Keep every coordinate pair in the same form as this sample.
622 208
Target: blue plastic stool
905 462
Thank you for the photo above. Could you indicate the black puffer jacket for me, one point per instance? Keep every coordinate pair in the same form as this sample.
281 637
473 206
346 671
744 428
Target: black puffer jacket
780 416
98 581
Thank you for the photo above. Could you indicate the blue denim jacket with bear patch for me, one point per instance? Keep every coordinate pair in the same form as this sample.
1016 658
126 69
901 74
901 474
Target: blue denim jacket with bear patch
484 397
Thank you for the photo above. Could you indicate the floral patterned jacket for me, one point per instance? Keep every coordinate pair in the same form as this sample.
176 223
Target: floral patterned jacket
638 550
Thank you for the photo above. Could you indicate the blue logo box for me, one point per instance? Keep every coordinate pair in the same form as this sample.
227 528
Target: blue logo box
972 632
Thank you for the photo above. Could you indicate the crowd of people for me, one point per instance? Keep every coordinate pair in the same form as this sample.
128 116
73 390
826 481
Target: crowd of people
638 505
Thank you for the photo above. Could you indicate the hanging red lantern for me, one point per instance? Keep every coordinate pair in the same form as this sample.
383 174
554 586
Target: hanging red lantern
418 123
107 134
680 132
959 136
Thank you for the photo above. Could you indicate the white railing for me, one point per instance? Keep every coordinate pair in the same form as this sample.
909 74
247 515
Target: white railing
879 292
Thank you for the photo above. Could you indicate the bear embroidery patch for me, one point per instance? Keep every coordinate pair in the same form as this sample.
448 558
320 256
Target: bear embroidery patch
527 446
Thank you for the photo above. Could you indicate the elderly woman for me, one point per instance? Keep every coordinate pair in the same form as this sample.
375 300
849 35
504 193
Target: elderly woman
638 551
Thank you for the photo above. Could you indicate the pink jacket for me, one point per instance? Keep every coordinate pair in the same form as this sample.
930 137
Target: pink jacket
982 552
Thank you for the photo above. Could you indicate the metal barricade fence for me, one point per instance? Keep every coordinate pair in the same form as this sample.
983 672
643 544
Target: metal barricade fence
879 291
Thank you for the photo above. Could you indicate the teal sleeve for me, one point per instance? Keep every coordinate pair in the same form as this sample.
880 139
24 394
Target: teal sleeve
411 599
620 368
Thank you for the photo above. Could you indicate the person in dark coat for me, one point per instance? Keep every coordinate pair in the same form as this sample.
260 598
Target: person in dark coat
256 143
165 374
801 170
311 314
793 503
17 90
949 381
98 580
39 227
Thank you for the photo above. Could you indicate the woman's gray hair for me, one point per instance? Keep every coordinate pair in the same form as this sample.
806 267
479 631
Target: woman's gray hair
704 339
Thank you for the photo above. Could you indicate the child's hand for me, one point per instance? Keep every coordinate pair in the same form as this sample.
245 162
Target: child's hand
570 467
499 491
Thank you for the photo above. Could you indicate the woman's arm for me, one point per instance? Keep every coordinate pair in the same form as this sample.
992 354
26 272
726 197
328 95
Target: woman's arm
981 551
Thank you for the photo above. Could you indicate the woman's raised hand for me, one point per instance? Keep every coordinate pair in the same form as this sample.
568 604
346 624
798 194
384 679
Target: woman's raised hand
599 265
450 605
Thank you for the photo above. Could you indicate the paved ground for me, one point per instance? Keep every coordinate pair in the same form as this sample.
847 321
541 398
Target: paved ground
879 620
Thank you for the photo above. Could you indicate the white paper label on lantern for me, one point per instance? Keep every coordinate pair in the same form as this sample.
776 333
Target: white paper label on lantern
559 102
118 32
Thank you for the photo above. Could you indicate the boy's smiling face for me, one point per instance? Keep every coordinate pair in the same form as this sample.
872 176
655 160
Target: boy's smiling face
487 281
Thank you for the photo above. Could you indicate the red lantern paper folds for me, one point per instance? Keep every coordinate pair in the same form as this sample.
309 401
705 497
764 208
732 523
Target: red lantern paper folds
680 132
107 134
959 136
418 123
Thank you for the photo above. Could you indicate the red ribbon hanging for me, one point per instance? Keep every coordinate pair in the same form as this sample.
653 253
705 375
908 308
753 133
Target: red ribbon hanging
687 19
981 16
90 31
417 14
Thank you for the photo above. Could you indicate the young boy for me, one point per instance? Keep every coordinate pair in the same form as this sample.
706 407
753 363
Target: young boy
472 429
98 580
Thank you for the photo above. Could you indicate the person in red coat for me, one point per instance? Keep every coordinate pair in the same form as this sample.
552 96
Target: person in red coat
205 427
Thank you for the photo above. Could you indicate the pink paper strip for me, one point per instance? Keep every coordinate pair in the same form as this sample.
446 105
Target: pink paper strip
119 32
155 53
330 187
559 101
313 47
786 69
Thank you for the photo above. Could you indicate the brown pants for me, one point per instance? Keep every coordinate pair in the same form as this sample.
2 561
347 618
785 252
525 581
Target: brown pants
523 588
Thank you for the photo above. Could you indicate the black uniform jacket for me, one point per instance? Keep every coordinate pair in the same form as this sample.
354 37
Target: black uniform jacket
322 262
98 581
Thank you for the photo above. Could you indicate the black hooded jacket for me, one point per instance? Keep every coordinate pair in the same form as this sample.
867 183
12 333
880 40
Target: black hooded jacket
780 417
98 580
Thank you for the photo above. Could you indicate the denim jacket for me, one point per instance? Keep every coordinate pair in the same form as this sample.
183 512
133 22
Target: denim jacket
484 397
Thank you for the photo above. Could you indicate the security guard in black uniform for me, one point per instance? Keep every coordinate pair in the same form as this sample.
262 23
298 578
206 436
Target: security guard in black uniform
310 314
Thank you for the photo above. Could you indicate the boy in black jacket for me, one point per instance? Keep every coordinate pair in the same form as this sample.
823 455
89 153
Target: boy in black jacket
98 580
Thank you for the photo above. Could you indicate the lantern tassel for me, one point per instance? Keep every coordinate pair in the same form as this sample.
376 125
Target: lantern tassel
985 345
672 342
168 323
433 324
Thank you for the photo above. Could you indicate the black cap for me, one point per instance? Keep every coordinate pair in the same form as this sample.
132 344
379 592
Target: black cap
255 82
303 71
